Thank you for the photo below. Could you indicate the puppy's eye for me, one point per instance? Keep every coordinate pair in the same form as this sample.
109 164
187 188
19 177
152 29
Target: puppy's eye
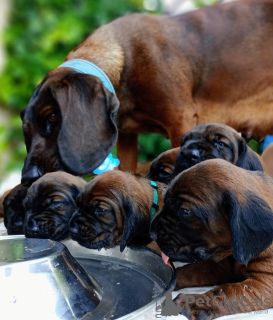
185 212
219 144
52 117
100 210
164 172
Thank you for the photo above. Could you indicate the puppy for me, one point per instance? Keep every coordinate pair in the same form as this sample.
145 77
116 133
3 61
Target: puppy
116 208
49 205
1 203
215 140
14 211
162 167
219 218
267 160
169 74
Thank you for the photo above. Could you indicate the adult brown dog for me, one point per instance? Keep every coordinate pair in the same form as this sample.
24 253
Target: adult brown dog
161 169
14 211
219 218
49 205
215 140
115 208
169 74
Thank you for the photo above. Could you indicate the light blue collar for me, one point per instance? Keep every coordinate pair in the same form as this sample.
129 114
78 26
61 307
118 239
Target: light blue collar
155 200
84 66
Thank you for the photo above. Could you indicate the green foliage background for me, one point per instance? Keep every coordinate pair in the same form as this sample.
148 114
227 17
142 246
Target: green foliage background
39 36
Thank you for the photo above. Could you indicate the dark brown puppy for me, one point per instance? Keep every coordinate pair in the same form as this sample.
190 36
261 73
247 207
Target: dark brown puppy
170 74
14 211
219 218
49 205
115 208
162 167
215 140
1 202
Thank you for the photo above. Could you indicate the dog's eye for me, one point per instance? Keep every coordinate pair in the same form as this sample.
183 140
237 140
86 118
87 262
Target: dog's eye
185 212
52 117
100 210
219 143
164 172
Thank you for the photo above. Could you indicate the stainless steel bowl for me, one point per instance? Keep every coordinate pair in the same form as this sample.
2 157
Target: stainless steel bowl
40 279
45 280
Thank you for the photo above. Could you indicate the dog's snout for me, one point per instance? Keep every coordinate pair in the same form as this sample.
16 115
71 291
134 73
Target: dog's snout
32 227
30 175
73 225
195 154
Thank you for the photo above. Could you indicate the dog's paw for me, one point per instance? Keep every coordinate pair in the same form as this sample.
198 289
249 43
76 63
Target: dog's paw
191 310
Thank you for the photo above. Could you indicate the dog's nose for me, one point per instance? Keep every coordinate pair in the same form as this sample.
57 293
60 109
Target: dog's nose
30 175
73 225
32 227
195 154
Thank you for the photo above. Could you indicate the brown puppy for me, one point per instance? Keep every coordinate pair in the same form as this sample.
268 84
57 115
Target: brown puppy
215 140
14 211
267 160
170 73
115 208
49 205
1 202
162 167
219 218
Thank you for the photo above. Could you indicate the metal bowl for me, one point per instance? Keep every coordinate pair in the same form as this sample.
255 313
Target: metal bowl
41 280
44 279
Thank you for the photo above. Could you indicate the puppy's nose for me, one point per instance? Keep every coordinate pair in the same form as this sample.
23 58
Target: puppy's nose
29 175
195 154
73 225
32 227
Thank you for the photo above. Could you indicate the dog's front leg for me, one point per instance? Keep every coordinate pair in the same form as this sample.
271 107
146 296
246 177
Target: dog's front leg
247 296
127 151
207 273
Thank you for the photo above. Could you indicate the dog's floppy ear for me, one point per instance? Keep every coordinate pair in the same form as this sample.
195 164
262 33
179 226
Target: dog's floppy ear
88 132
134 224
251 226
247 158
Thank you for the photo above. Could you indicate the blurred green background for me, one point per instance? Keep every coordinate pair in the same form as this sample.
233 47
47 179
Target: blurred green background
37 38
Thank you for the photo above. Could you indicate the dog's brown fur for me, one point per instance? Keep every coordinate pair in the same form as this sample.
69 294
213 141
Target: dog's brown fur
114 208
161 169
267 160
13 209
1 202
170 74
220 217
215 140
49 205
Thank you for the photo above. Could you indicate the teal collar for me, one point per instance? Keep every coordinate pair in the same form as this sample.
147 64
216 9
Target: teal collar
84 66
155 200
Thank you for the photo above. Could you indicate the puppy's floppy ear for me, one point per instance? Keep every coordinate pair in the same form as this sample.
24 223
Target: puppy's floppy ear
251 226
134 223
247 158
88 132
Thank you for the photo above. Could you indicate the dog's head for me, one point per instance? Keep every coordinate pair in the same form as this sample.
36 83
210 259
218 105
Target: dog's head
212 141
214 210
49 205
113 209
162 167
68 125
14 211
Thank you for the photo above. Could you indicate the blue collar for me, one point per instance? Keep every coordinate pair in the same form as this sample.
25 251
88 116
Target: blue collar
84 66
155 200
